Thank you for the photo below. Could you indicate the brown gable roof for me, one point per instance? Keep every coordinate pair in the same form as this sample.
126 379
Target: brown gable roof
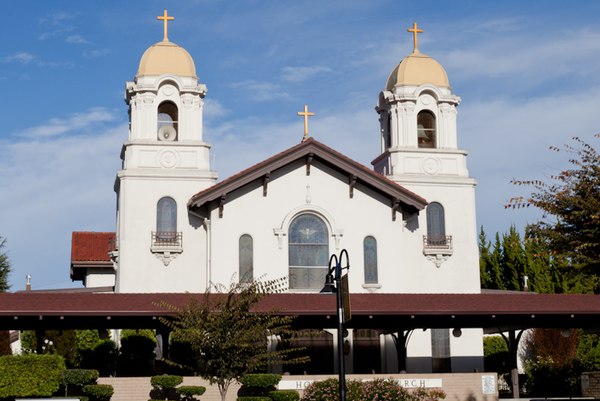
410 201
90 249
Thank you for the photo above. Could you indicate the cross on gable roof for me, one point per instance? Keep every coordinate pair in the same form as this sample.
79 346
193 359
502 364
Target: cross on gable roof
311 150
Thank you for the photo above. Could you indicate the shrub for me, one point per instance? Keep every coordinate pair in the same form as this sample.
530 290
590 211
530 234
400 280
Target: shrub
74 379
165 382
263 380
136 357
30 375
284 395
257 384
163 386
102 357
384 389
98 392
378 389
187 393
79 377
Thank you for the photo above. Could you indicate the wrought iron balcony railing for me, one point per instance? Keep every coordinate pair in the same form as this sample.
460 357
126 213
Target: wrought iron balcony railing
437 242
166 239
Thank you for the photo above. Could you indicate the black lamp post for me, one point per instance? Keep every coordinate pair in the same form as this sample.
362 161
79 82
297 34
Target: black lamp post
333 284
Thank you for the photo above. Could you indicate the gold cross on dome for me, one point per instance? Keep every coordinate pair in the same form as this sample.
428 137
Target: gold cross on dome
165 18
305 114
415 31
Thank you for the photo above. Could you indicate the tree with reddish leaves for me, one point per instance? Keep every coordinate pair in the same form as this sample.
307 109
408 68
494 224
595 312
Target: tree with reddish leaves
570 224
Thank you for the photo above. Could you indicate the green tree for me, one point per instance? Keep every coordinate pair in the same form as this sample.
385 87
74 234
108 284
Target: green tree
230 338
513 260
570 224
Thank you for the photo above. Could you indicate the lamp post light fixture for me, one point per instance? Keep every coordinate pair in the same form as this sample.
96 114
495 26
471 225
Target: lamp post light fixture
333 284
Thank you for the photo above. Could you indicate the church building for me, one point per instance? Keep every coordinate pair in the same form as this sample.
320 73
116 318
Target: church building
408 223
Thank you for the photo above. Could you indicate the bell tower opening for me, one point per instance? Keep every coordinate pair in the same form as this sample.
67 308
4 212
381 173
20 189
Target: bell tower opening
426 132
167 121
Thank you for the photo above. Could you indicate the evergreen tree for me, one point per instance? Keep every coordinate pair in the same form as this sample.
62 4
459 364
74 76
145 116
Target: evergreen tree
513 260
491 277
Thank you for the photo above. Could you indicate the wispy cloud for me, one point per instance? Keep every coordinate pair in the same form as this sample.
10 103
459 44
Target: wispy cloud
96 53
75 122
76 39
262 91
20 57
214 109
301 74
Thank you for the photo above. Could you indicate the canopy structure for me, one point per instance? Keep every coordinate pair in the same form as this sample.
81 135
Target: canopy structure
495 312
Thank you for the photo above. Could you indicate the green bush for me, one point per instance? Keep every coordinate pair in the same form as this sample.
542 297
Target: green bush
79 377
378 389
73 380
163 386
263 380
165 382
284 395
102 357
136 356
187 393
98 392
258 384
30 375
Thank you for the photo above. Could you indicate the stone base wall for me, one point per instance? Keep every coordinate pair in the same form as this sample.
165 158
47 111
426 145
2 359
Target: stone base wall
458 386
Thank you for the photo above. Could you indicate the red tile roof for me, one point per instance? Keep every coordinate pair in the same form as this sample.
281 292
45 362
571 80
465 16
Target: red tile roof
91 246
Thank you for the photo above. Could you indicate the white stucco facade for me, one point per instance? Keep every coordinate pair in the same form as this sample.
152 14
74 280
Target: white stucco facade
420 162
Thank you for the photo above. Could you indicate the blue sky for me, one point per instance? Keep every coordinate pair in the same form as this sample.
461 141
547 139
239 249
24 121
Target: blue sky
527 73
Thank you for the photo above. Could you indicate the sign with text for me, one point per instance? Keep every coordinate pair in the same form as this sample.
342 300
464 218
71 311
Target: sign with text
406 383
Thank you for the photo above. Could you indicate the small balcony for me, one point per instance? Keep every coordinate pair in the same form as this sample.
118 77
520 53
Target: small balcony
437 242
437 249
166 245
166 239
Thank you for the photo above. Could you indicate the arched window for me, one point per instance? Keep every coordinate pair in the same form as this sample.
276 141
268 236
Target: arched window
166 219
370 255
436 226
167 121
246 257
308 252
426 129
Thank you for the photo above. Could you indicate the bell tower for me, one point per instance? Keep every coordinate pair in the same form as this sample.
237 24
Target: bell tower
419 150
164 162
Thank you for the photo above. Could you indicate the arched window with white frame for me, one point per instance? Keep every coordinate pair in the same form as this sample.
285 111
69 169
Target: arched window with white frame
370 259
166 219
246 258
436 225
308 248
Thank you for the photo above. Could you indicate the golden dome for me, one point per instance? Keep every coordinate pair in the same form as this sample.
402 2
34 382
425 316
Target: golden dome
418 69
166 58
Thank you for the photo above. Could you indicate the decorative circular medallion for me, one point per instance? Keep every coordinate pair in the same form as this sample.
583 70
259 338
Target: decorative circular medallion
431 166
168 90
426 99
168 158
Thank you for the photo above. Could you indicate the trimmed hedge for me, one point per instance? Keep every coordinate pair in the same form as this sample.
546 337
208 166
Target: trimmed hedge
165 382
187 393
284 395
262 380
79 377
30 375
98 392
